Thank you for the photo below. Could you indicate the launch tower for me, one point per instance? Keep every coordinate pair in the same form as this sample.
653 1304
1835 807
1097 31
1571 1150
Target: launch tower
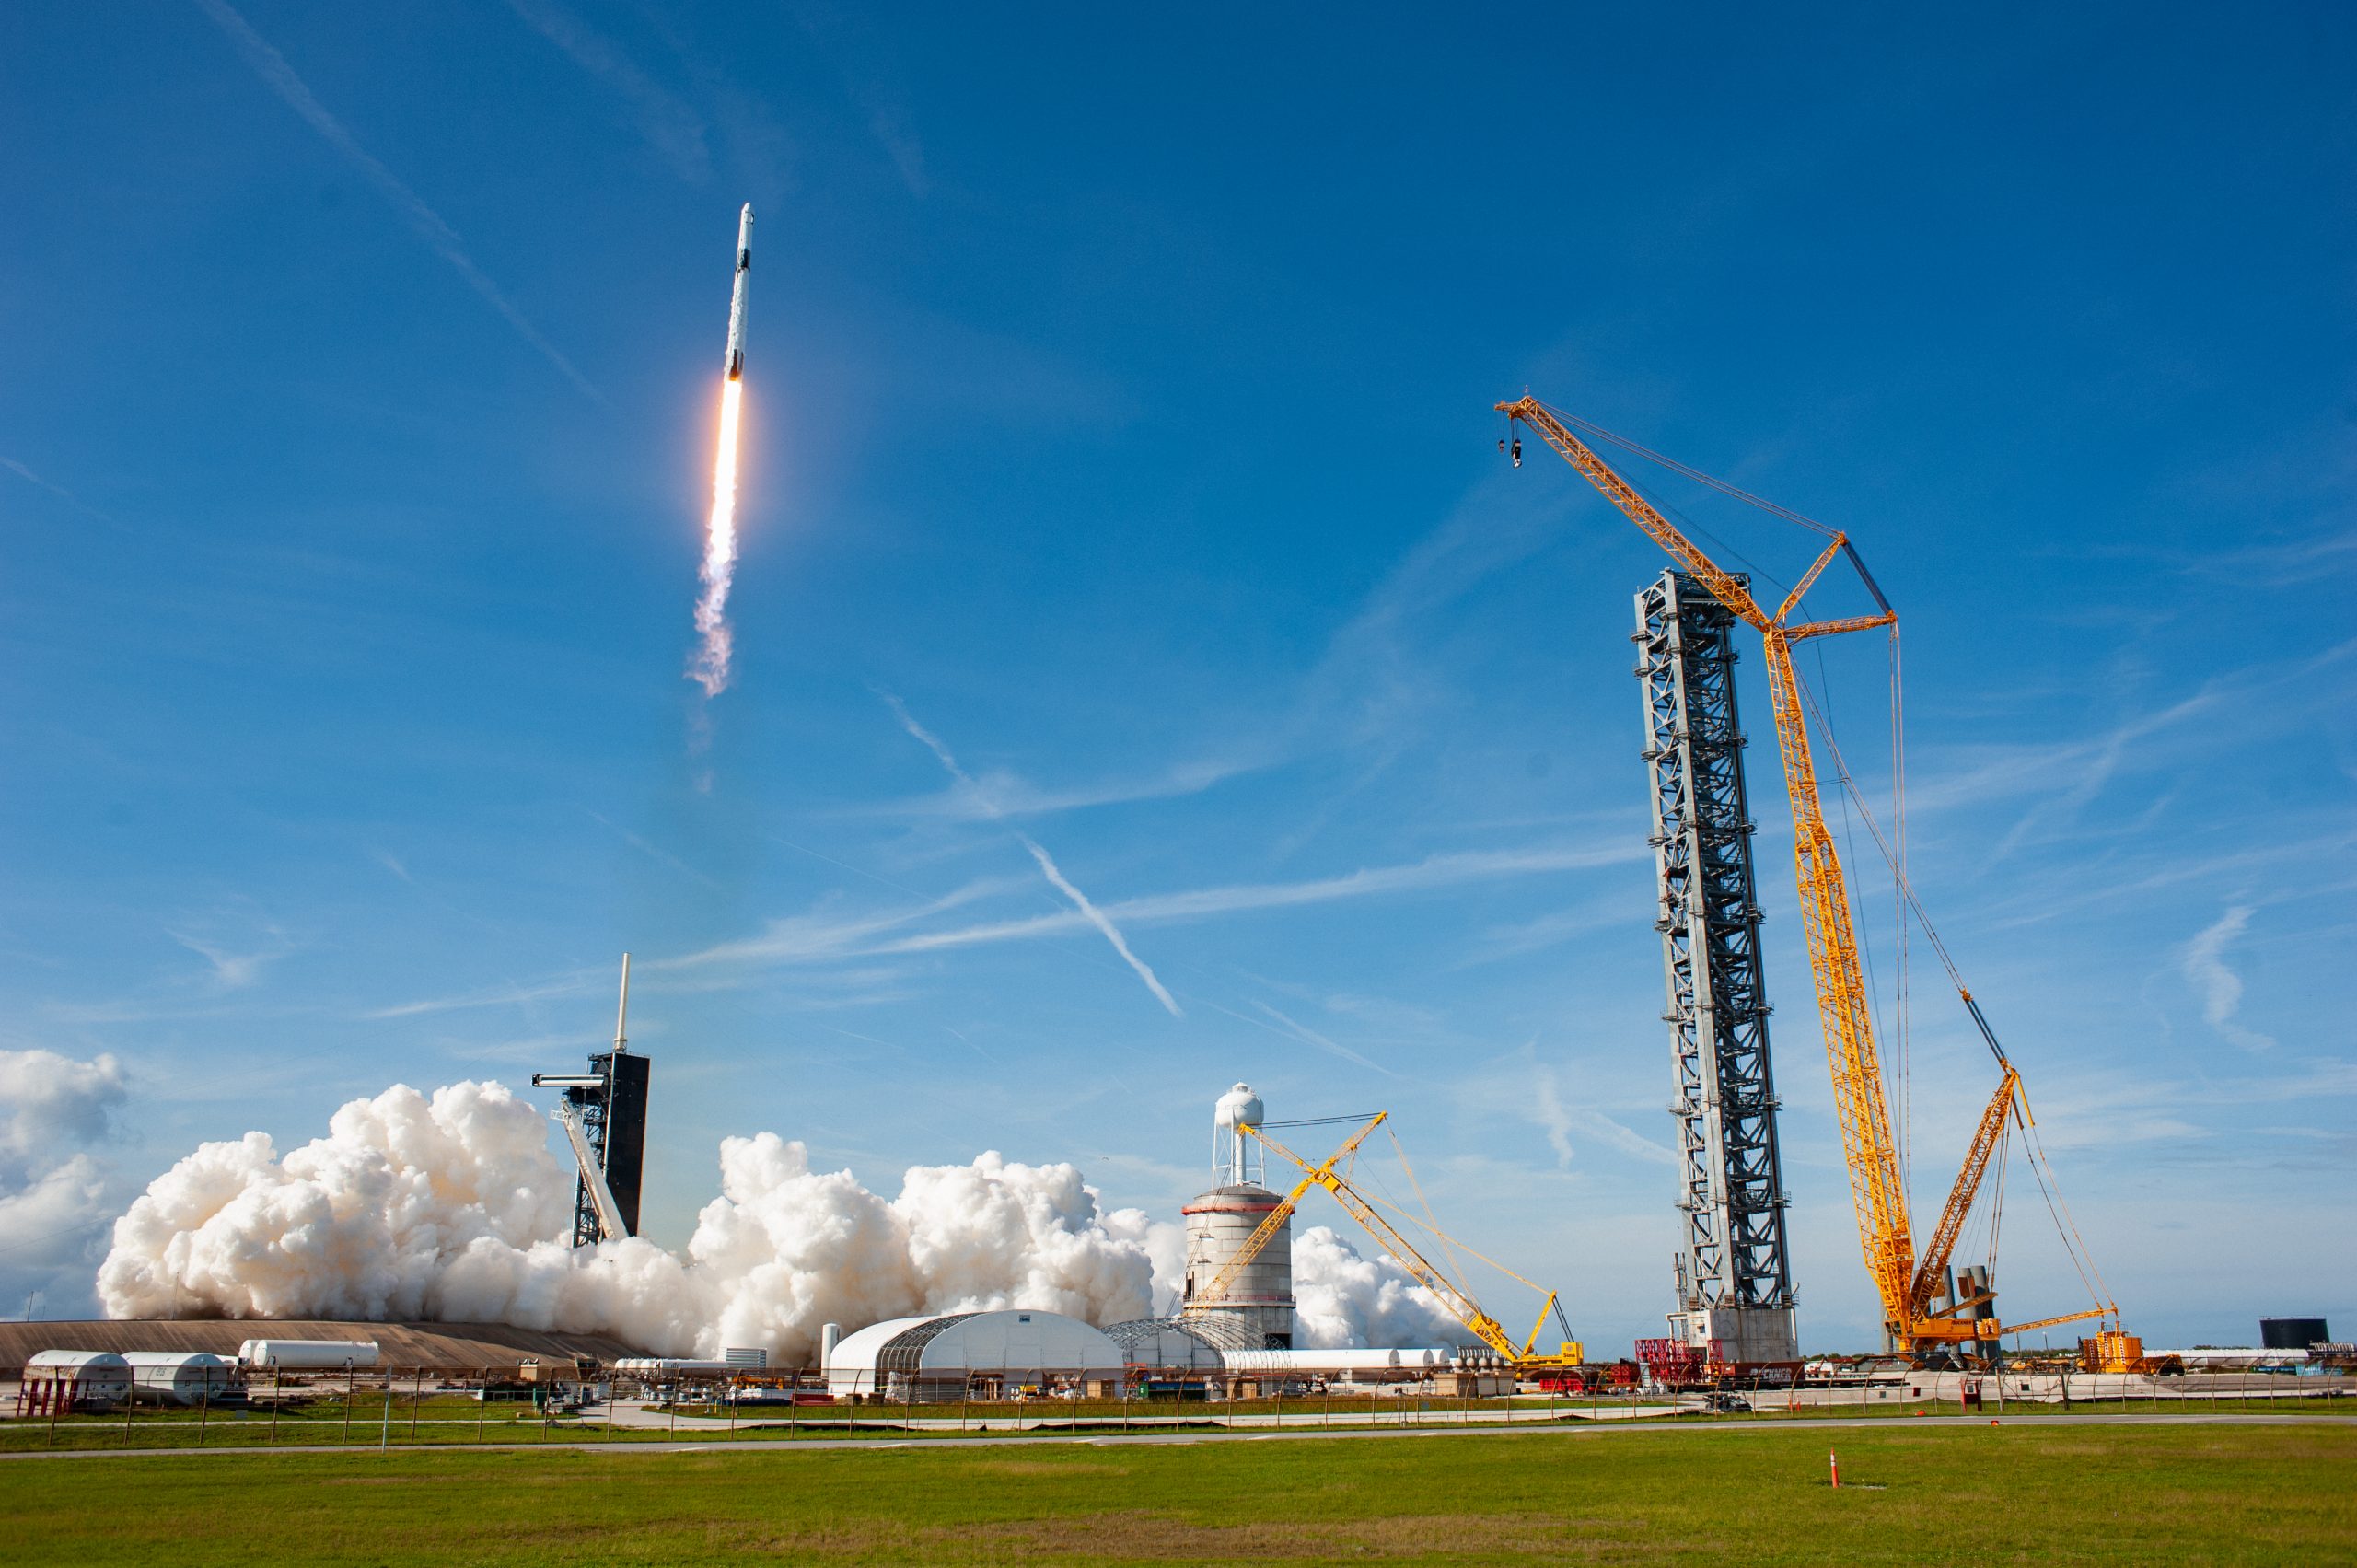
604 1116
1733 1276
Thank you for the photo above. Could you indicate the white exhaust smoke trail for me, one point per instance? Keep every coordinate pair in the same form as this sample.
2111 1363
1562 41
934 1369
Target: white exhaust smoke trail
445 1209
1048 866
712 667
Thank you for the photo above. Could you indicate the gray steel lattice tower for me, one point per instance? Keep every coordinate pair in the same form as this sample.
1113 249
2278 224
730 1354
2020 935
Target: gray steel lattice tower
1734 1279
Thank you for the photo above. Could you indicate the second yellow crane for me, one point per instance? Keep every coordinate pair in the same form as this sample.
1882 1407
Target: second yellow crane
1912 1287
1332 1173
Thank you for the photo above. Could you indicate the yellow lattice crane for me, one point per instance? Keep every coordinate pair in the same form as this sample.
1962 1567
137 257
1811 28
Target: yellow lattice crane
1333 1174
1908 1285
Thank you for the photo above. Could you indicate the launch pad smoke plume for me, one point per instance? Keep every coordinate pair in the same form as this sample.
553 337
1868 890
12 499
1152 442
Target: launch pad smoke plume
449 1207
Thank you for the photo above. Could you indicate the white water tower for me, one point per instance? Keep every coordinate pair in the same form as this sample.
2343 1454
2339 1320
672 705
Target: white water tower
1258 1300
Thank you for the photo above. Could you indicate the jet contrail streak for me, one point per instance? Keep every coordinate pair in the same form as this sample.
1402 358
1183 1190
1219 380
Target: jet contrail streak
273 68
1048 866
1095 917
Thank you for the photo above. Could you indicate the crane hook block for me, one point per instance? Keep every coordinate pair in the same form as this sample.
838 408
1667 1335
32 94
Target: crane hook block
1517 451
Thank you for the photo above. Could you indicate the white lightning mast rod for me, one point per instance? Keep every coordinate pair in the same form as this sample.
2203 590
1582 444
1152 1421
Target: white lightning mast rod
622 1014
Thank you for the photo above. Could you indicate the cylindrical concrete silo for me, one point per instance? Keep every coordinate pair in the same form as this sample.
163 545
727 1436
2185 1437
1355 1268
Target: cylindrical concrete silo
1260 1298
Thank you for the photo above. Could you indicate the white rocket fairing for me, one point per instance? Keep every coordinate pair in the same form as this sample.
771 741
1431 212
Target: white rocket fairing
736 298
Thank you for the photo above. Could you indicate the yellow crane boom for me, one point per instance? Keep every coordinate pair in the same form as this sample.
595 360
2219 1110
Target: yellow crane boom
1214 1294
1859 1103
1933 1271
1455 1297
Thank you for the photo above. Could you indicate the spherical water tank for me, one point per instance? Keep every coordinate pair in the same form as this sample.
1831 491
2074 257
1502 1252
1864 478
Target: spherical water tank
1238 1107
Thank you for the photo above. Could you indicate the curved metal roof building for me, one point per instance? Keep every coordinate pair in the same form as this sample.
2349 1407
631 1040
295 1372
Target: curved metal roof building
933 1359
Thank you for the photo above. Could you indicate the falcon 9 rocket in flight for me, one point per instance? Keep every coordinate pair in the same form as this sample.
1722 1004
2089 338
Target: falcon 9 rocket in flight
712 667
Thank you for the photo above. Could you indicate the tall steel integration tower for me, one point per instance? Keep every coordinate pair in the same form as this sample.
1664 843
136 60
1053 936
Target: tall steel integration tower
604 1116
1733 1275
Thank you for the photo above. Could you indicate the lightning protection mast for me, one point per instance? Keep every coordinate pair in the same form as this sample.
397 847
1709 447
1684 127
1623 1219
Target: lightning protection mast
1733 1275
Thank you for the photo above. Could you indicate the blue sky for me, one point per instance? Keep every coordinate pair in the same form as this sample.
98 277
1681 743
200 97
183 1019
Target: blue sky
1119 404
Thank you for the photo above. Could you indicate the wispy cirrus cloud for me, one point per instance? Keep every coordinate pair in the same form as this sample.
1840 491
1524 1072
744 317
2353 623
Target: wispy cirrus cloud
823 935
2221 987
1302 1031
654 852
867 83
996 795
282 79
237 946
496 996
670 125
820 937
26 474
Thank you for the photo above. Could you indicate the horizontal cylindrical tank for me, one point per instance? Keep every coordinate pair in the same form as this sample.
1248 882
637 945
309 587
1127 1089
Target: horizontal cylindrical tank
86 1380
1307 1361
658 1365
308 1354
181 1377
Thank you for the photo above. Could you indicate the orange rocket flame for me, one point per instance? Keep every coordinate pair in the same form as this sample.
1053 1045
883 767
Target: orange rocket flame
712 667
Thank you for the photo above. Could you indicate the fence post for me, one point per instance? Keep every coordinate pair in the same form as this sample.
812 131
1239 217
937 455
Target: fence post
384 1431
350 1380
416 1393
204 1410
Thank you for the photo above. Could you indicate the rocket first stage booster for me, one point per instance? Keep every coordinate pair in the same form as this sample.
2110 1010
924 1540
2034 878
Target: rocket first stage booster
737 299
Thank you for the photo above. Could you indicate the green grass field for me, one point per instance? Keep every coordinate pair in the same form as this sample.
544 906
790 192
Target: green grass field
1757 1494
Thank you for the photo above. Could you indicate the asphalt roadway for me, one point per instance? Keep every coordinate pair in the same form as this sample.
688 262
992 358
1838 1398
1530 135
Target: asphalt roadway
1117 1440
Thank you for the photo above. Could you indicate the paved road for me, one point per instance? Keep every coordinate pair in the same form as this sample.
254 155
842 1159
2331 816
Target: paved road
1119 1440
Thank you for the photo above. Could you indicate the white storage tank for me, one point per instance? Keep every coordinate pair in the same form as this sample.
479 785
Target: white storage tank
61 1380
307 1355
182 1377
1258 1300
1377 1365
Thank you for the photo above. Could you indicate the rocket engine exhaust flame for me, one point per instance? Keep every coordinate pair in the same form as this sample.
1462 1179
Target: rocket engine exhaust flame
711 669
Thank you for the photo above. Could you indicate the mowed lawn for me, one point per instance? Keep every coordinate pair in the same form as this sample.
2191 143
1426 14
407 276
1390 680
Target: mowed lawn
1757 1495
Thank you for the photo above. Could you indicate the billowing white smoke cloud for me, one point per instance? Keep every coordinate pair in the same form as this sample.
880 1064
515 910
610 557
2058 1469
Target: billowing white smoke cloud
443 1208
52 1193
1344 1301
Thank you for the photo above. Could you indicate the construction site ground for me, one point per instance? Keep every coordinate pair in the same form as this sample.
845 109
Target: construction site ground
2083 1489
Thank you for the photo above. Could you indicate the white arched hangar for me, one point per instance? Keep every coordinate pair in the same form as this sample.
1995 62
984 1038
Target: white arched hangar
996 1355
